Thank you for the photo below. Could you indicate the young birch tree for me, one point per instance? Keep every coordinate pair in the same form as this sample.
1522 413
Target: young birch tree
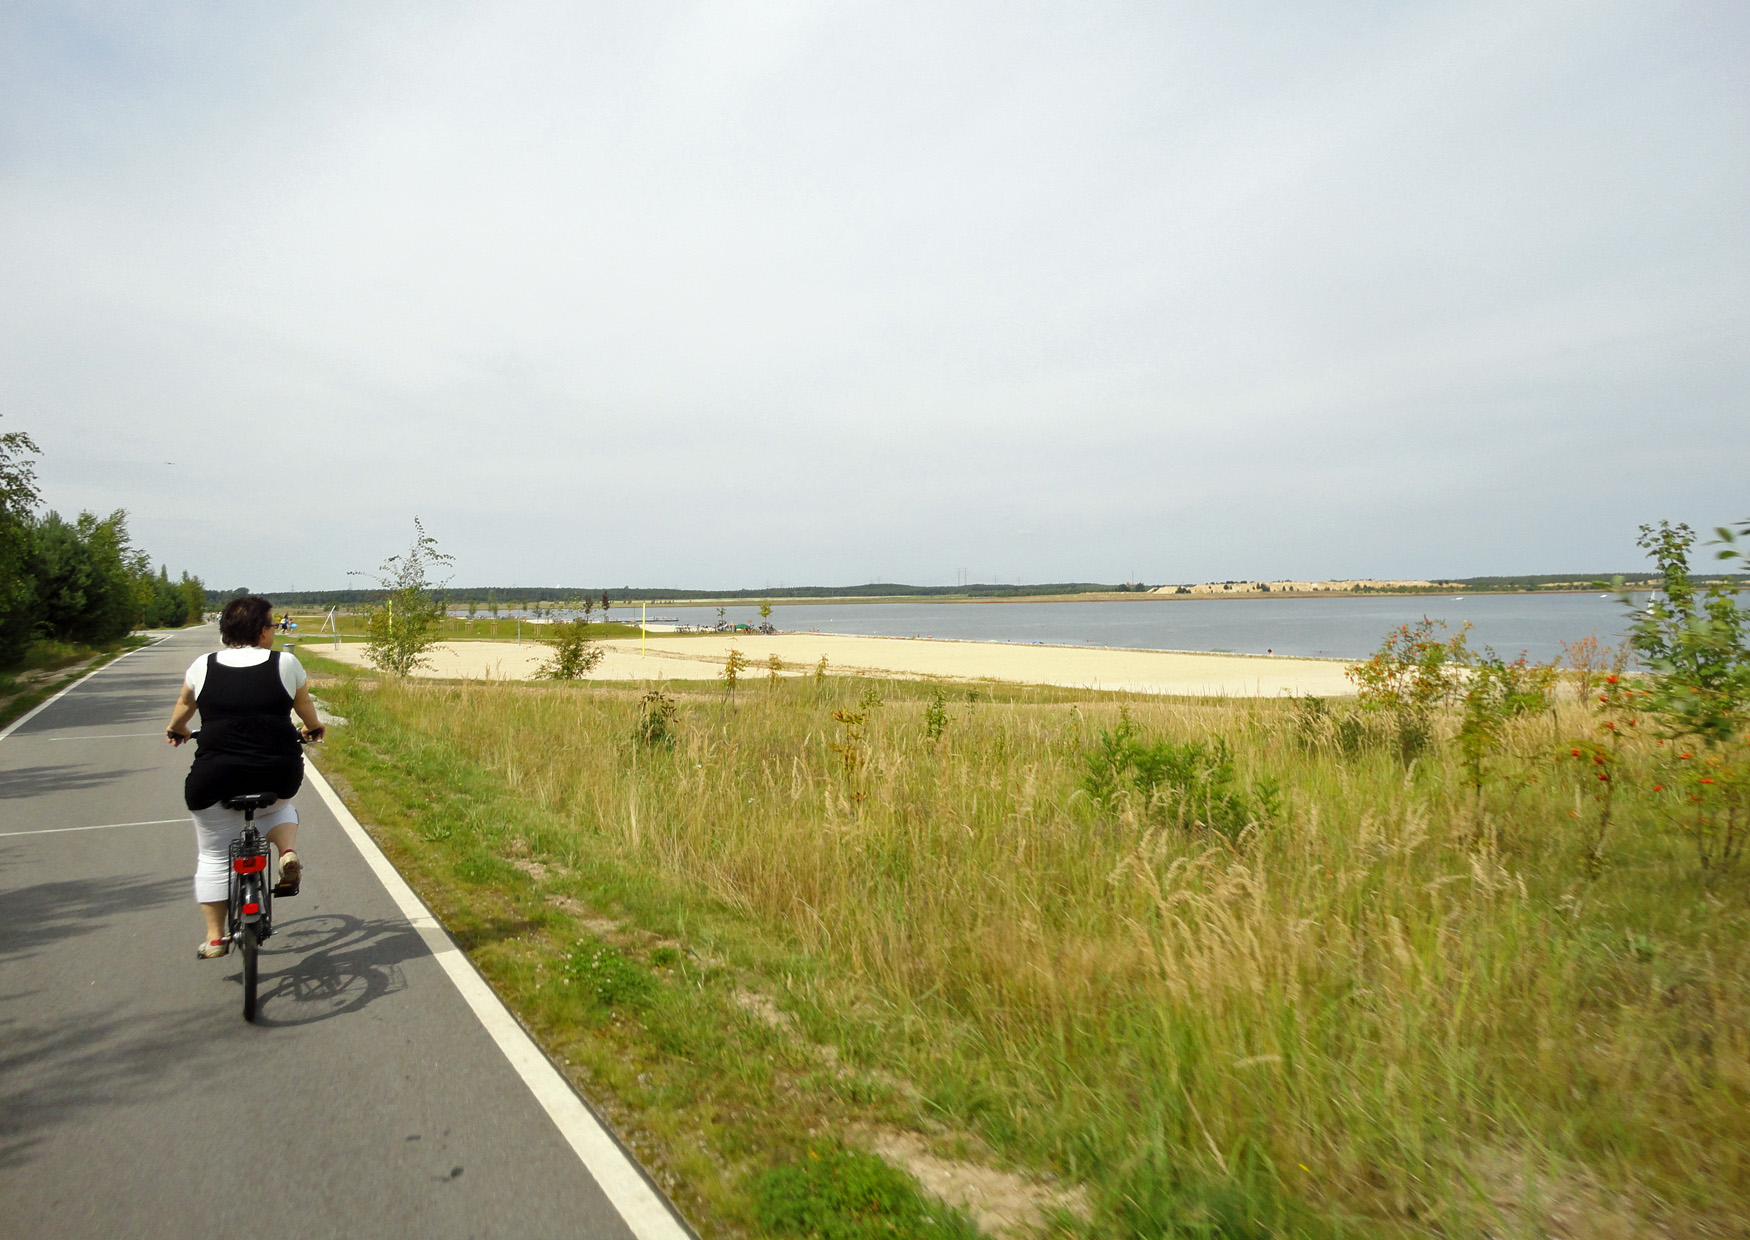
400 629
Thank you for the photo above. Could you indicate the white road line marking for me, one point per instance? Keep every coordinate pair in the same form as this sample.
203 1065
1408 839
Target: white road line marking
40 707
105 736
102 826
624 1185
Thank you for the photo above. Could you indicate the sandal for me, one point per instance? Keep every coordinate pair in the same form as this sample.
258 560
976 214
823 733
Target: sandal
291 874
213 950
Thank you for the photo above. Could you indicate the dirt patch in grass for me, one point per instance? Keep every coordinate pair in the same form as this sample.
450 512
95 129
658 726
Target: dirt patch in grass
604 927
769 1014
540 871
1568 1204
1002 1203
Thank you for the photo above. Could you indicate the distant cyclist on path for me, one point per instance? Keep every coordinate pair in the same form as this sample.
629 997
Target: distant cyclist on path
246 694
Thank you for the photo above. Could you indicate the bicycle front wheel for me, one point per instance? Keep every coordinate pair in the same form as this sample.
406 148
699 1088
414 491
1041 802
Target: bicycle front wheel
250 942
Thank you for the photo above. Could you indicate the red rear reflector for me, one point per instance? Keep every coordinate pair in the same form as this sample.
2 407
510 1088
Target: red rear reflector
249 865
252 908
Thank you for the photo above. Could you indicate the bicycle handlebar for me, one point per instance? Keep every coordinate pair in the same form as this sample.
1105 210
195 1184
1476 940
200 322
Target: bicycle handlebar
306 736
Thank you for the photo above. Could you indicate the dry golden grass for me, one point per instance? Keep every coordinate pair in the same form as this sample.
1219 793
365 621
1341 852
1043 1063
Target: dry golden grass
1404 1003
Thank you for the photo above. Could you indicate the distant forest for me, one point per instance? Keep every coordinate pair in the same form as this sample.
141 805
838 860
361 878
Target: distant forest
513 596
509 595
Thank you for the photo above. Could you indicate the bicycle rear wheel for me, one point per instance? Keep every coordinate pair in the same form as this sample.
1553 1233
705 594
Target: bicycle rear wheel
250 943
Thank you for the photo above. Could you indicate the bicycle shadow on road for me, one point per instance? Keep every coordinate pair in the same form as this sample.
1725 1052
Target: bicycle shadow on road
337 965
33 917
57 1066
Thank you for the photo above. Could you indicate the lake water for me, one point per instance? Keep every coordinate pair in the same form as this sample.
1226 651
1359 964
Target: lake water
1345 627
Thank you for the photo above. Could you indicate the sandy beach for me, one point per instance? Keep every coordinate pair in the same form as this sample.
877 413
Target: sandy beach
702 658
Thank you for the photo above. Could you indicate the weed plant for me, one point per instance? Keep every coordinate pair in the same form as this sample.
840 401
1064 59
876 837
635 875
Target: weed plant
833 1193
1240 968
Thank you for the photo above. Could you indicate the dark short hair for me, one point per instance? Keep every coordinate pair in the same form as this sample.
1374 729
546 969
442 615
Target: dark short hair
243 619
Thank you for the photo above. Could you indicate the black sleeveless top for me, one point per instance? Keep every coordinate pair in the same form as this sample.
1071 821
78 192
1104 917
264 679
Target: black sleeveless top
247 742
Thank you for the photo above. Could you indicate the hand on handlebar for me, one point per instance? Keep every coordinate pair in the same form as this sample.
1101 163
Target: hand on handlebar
176 738
312 735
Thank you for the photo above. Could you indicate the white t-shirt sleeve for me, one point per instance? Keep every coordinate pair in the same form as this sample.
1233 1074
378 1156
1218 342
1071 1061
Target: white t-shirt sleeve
197 675
292 674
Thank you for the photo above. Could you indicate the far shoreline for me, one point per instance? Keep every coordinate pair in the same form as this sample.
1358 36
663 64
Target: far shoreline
1109 597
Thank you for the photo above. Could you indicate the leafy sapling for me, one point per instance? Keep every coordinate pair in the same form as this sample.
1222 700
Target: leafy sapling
656 720
574 656
733 667
403 626
936 716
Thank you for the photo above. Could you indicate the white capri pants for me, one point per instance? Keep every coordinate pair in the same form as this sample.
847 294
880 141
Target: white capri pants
214 829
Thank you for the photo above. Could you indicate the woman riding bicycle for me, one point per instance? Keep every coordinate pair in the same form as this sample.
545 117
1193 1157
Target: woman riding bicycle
245 694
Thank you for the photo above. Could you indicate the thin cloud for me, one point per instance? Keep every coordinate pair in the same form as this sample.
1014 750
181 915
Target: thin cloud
716 294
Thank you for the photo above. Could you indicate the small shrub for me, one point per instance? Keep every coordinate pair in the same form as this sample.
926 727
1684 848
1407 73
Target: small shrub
1196 778
850 748
1107 764
1497 692
1412 674
656 720
936 716
575 654
1695 642
1589 659
1706 794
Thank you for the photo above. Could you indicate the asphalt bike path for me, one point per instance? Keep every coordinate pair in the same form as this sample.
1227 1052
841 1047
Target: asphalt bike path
381 1091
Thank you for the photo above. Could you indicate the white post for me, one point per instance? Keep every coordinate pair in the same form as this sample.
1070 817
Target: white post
643 625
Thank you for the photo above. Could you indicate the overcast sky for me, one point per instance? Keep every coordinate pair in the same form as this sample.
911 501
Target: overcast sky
728 294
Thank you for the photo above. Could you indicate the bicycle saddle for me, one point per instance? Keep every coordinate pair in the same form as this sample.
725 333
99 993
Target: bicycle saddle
250 800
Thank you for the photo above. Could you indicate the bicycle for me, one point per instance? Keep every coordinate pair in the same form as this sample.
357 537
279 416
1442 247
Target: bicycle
248 898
